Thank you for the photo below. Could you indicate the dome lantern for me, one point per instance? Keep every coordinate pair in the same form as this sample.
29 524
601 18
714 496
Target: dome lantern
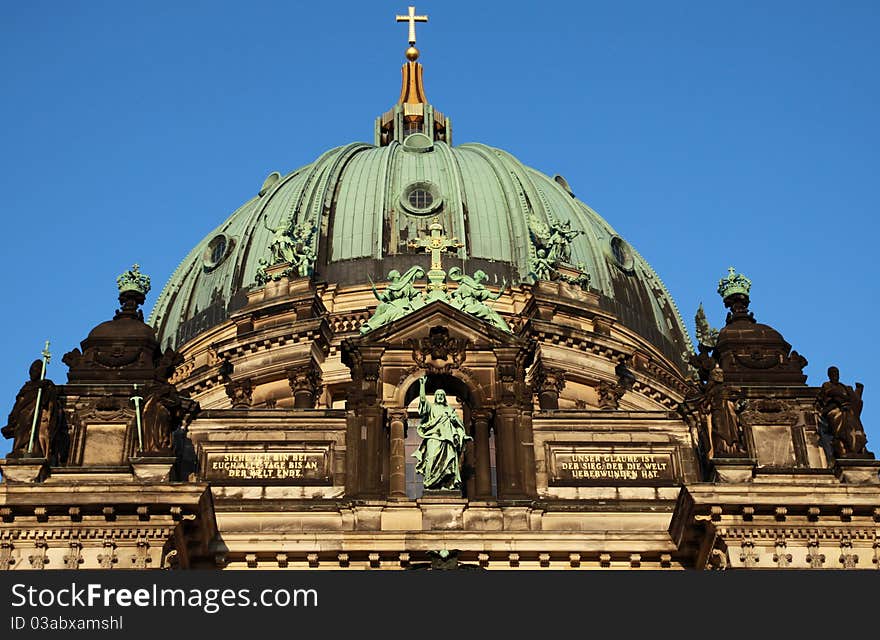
412 113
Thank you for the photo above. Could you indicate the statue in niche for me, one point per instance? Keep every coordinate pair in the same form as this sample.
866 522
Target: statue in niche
48 436
283 244
472 295
165 409
561 236
438 458
723 409
399 298
841 408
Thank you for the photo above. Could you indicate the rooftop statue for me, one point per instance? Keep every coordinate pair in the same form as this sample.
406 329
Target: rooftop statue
283 243
561 236
400 298
165 408
723 405
36 408
841 408
472 295
291 244
542 267
438 458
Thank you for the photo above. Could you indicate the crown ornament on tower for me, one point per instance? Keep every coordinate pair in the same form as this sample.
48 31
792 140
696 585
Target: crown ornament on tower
734 283
133 289
134 280
734 290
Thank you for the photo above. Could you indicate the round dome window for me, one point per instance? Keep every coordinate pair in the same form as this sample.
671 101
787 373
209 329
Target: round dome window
421 198
621 253
216 251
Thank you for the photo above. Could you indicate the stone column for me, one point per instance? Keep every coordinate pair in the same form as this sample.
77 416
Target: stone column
483 484
397 467
527 447
372 433
506 448
352 452
549 383
305 383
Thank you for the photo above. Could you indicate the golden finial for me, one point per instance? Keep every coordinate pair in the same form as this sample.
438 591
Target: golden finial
412 54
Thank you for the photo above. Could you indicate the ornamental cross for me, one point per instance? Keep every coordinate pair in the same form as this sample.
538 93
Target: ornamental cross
436 244
412 18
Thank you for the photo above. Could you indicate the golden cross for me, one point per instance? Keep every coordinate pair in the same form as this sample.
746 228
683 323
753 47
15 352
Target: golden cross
436 244
412 18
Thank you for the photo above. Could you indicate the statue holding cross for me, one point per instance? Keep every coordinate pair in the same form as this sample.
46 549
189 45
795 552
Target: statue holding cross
436 244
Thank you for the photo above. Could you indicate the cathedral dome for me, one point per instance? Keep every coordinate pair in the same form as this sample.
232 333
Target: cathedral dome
368 203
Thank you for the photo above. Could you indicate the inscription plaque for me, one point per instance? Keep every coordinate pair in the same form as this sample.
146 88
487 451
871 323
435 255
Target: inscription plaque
576 465
302 466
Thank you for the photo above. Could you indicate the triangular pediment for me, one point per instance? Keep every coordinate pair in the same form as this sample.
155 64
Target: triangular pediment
437 313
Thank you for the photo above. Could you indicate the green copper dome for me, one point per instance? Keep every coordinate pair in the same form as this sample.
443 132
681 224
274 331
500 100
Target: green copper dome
369 201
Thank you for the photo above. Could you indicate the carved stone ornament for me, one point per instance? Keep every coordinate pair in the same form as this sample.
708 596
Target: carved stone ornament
240 393
770 411
439 352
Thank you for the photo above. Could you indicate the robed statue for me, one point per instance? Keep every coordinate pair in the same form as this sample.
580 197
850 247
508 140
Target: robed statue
399 298
561 236
48 436
841 408
283 244
723 408
472 295
438 458
165 408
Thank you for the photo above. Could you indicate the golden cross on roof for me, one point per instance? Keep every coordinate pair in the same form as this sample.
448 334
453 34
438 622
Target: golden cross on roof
412 18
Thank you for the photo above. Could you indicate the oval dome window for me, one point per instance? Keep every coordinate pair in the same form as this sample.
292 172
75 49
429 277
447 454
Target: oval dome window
622 254
216 251
421 198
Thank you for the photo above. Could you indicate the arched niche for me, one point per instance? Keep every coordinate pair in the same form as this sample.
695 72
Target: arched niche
478 460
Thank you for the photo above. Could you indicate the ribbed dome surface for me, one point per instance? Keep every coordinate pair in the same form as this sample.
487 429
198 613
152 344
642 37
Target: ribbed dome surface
357 196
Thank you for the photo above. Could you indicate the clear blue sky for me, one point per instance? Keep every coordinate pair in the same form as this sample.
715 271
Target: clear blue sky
706 133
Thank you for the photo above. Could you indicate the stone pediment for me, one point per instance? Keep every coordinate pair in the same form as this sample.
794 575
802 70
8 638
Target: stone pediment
438 313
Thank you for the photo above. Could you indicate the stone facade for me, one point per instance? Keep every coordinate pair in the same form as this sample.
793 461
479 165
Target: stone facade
311 471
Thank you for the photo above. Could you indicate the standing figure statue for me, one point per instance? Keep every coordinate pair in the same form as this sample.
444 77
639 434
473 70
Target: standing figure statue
723 409
841 407
561 236
438 458
283 245
21 418
165 408
472 294
542 267
399 298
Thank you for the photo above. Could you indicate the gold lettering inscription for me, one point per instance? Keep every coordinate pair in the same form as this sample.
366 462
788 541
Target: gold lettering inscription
290 466
574 467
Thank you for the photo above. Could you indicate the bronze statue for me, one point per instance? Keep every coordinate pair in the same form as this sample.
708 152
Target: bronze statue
841 408
542 267
723 409
438 458
21 418
472 295
165 409
400 298
283 245
561 236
